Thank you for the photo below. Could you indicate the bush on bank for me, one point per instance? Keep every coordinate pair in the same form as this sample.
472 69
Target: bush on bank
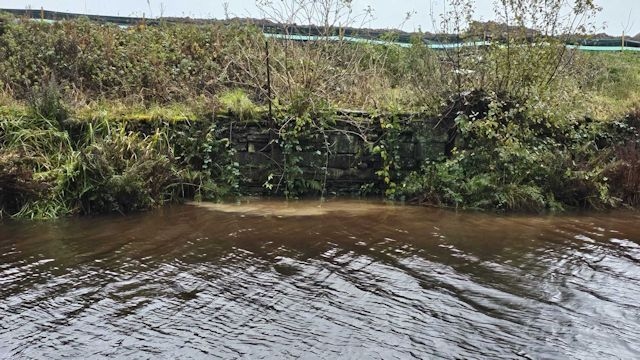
508 158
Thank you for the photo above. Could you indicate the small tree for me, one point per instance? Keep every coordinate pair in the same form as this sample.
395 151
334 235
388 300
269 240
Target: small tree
523 50
308 73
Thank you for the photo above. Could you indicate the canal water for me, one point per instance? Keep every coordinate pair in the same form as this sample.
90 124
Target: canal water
310 280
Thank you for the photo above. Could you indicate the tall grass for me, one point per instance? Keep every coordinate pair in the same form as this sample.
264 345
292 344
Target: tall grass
51 168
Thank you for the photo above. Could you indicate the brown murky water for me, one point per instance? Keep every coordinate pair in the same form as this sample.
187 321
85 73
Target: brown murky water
345 280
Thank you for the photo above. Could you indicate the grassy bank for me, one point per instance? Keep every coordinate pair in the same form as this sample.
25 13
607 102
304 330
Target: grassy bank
95 118
52 168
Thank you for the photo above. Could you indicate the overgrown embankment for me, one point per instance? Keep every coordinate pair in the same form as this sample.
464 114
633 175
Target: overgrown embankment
95 118
60 167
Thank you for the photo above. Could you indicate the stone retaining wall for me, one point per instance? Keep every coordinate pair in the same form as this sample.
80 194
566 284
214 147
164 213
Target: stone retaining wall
346 154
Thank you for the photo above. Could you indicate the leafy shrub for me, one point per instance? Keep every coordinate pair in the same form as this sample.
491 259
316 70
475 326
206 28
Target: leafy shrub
510 156
205 158
46 101
93 59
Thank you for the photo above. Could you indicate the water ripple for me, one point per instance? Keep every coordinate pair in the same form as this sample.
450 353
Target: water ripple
381 283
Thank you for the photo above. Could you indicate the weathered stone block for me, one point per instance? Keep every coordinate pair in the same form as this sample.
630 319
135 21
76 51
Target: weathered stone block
240 147
258 137
345 144
407 149
427 150
343 161
312 158
349 174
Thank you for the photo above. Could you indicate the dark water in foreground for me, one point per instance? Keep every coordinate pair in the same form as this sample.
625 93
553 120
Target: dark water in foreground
349 280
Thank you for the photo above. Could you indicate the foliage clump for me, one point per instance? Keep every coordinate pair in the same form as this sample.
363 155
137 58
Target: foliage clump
123 172
511 159
50 169
46 101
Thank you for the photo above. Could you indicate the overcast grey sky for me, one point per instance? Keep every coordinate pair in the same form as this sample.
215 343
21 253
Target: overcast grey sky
387 13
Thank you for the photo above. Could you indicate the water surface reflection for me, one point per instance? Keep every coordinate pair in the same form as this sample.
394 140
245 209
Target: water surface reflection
347 280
